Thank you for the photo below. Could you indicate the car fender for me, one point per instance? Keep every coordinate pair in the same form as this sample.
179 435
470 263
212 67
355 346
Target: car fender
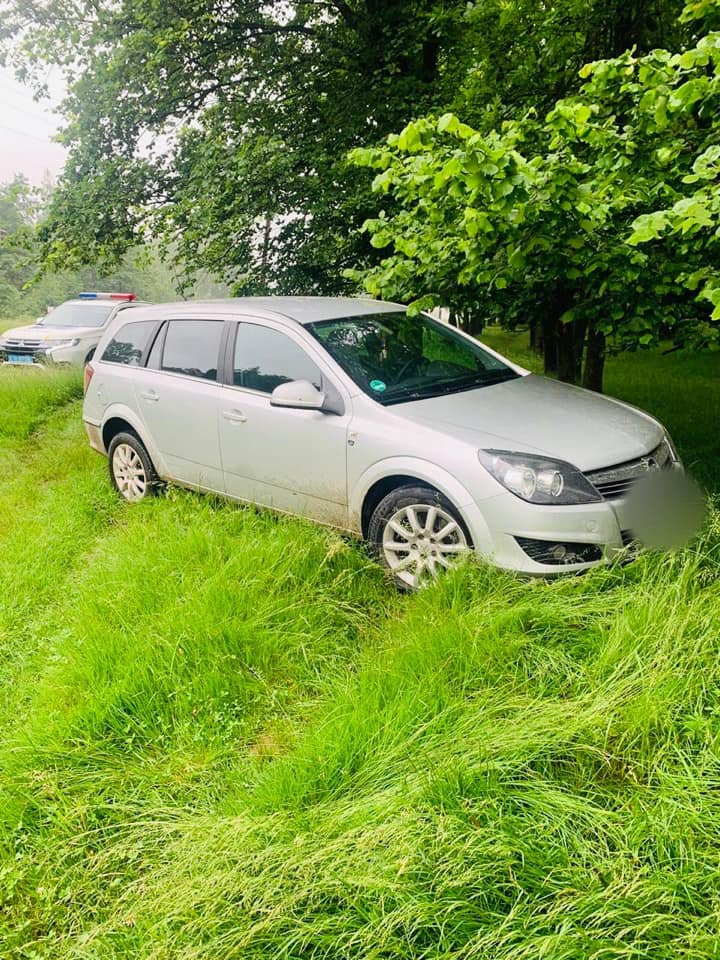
123 412
427 472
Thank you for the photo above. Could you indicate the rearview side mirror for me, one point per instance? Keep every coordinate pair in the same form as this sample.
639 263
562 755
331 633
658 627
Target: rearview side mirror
298 395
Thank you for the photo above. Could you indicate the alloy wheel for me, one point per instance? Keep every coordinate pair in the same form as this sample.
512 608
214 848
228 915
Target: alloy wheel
129 472
421 540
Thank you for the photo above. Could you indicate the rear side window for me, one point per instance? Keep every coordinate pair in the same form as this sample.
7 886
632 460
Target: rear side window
265 358
192 347
129 343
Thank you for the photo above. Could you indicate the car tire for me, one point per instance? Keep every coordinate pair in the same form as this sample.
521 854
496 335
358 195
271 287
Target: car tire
416 532
131 470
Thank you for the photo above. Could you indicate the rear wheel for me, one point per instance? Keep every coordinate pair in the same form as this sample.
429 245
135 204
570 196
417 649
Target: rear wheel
417 533
131 469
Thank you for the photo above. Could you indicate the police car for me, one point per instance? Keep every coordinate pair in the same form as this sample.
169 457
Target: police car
68 334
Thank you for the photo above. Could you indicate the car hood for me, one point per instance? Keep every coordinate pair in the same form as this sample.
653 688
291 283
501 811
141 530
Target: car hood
46 333
535 415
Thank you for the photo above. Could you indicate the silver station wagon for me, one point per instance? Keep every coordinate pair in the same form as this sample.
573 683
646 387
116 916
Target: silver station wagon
396 428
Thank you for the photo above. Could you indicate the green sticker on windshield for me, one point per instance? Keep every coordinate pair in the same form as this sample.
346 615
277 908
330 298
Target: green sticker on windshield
377 385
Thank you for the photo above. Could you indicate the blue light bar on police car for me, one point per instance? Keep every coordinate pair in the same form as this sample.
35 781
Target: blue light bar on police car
106 296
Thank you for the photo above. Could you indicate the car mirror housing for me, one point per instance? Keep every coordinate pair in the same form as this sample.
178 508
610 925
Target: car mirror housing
298 395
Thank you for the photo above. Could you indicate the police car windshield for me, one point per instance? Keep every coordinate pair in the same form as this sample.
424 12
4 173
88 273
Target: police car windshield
78 315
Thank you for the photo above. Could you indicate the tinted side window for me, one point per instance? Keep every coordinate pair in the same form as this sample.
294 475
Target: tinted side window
192 347
265 358
129 343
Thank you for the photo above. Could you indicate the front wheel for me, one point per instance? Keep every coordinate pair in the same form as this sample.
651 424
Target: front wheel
417 533
131 469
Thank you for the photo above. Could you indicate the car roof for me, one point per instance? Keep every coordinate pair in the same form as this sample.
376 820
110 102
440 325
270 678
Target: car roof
301 310
82 302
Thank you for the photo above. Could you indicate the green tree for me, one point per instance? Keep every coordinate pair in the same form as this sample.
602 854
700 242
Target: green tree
533 222
223 130
524 55
20 206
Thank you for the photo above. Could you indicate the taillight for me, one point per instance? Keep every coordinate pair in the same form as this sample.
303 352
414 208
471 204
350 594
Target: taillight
89 374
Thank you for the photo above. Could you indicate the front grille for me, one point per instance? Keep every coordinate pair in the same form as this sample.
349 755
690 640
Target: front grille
18 346
555 552
612 483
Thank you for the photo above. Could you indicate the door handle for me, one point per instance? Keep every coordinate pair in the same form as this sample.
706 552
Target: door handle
235 416
149 395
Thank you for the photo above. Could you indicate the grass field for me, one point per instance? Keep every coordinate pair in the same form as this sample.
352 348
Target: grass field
223 735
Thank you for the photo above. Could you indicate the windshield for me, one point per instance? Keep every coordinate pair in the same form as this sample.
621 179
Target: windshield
394 357
78 315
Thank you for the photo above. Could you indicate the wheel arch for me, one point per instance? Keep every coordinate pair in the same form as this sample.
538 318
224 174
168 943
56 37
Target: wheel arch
388 475
118 419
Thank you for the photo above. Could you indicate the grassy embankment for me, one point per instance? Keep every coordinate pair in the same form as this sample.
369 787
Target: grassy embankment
223 735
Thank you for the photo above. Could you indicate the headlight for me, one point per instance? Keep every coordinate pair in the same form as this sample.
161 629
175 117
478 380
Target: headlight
54 344
539 479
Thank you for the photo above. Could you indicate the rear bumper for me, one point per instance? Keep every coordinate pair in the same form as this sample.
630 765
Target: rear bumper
94 435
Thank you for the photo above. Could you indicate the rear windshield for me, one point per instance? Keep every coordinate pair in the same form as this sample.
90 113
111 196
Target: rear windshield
89 314
394 357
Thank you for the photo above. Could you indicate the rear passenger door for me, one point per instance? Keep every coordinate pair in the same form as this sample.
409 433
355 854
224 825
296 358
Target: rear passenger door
179 395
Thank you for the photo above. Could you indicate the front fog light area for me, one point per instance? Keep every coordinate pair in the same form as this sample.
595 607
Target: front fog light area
557 553
539 479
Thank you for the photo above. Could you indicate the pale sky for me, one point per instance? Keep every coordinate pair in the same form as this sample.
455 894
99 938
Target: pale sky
26 130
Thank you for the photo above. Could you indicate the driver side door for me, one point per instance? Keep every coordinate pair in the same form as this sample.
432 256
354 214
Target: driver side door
290 460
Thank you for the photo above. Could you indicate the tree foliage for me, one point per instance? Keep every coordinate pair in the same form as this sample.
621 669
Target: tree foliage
23 291
524 55
594 220
20 206
223 129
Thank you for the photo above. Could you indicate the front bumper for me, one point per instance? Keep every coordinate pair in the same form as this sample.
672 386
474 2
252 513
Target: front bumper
499 523
43 356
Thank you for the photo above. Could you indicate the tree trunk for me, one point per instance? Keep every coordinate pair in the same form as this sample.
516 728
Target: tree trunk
567 352
549 341
475 323
536 336
580 329
594 361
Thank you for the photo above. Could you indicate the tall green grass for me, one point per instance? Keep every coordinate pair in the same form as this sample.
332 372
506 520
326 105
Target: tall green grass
223 735
30 394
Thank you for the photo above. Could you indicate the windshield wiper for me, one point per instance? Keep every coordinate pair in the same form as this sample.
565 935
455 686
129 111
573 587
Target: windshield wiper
444 387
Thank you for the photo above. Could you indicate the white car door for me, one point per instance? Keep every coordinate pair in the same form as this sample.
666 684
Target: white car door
290 460
179 397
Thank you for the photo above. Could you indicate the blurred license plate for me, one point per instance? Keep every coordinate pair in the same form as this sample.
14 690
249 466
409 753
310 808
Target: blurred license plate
19 358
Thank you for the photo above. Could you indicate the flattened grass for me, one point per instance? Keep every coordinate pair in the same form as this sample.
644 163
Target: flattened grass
223 735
